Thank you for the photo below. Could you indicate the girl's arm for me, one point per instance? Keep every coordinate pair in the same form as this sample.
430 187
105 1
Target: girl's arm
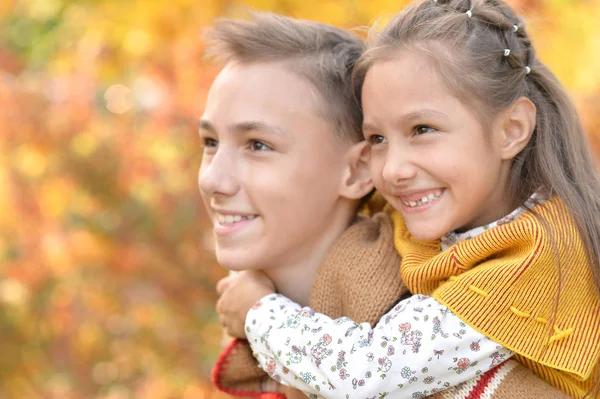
418 348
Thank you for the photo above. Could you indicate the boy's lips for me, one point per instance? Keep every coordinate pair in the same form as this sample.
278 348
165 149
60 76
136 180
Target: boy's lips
229 221
230 226
230 218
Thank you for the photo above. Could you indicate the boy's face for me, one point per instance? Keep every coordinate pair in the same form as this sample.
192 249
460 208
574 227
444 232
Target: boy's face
271 168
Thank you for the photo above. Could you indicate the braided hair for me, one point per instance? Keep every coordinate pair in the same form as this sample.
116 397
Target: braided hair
485 56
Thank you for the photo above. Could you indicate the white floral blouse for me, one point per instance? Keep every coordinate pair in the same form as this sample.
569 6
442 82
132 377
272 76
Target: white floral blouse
417 349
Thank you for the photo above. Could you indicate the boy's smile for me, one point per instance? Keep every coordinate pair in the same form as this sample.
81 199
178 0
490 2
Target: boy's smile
271 168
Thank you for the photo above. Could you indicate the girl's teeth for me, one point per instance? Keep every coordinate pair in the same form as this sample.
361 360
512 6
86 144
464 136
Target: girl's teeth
237 218
228 219
426 199
220 218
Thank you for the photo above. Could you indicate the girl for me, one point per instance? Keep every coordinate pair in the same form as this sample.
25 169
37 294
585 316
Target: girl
481 154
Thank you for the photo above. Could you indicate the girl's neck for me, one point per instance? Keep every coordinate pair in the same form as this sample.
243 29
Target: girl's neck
500 203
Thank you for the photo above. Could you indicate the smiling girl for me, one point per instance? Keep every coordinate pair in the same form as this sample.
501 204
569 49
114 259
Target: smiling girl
478 149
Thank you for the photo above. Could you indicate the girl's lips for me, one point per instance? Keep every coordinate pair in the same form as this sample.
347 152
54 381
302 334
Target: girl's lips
422 195
422 205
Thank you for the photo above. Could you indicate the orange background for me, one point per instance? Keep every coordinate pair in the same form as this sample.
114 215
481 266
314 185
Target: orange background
107 275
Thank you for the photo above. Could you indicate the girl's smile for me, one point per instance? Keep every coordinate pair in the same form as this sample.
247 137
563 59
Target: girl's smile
431 157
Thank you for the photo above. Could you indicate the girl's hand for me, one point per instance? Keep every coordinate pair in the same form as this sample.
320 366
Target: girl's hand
239 292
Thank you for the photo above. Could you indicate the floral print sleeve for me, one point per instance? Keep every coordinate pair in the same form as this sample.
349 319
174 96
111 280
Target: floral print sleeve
418 348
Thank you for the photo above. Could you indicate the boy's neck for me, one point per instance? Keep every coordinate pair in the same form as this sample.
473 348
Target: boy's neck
295 280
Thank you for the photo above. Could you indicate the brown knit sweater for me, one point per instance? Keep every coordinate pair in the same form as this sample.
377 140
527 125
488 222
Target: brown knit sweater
360 279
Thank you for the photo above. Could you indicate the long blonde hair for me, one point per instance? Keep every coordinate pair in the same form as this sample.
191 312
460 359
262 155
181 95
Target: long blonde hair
485 56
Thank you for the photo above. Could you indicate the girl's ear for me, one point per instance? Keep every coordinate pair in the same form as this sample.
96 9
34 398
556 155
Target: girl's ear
516 127
356 178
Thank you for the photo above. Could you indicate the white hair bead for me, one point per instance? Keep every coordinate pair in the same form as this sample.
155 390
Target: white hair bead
527 70
469 13
506 52
515 28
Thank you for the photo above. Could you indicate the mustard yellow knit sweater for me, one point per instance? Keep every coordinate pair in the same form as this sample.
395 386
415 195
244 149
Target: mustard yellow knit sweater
527 285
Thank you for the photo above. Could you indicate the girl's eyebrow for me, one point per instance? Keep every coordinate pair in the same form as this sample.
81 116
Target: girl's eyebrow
422 114
367 127
412 116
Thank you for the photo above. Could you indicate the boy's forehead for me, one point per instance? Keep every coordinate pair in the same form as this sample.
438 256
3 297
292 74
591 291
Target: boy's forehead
268 94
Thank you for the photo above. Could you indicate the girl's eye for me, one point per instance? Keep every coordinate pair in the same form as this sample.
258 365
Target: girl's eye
210 143
256 145
376 139
422 129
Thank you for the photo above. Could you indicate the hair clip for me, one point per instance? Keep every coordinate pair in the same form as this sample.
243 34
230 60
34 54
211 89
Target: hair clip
506 52
527 70
469 13
515 28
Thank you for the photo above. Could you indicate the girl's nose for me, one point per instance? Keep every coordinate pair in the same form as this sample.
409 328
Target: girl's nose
398 168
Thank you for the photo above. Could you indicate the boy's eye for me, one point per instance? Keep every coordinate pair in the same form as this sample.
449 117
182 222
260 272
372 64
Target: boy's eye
256 145
422 129
210 143
376 139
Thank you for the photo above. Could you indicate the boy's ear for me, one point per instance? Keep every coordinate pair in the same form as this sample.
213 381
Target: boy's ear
356 178
516 127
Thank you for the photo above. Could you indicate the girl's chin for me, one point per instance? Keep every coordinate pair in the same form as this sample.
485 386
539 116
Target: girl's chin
422 233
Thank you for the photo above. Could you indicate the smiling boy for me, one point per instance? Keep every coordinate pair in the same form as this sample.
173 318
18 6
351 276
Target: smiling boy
284 167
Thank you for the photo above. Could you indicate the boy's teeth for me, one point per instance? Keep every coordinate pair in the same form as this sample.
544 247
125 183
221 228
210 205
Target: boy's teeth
424 200
230 219
431 197
413 203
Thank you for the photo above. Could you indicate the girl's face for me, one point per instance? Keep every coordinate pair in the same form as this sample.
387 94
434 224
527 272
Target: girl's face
431 158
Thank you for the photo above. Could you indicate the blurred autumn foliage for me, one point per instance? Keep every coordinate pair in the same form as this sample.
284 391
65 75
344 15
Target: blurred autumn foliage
107 274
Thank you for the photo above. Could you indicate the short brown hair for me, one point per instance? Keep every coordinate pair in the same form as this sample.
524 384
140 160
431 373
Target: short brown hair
321 53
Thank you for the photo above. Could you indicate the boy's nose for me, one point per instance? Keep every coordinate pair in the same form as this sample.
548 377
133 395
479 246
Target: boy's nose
217 175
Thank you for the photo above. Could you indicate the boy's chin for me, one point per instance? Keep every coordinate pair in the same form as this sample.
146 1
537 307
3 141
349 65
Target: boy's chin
236 262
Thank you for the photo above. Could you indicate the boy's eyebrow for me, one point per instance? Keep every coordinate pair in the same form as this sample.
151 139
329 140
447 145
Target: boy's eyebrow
203 124
244 127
